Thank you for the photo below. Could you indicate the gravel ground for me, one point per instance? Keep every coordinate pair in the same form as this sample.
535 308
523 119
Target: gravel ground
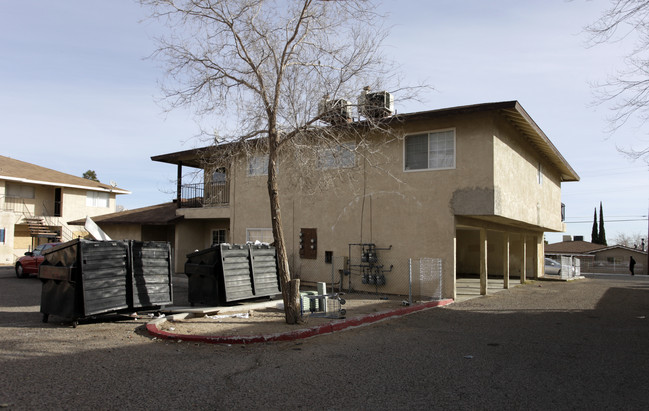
544 345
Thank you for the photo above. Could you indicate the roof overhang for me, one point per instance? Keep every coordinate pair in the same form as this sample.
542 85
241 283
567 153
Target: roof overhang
512 111
106 189
518 117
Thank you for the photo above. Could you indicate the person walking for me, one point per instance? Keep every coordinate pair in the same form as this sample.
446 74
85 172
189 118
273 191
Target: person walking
631 265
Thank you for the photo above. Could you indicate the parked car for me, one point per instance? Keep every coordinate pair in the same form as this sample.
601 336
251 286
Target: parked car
29 263
552 267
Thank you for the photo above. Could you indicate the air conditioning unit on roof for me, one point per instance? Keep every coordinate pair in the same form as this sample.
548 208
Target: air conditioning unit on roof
377 104
335 111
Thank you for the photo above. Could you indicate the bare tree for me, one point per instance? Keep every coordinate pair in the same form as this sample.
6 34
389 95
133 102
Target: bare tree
262 67
634 240
627 90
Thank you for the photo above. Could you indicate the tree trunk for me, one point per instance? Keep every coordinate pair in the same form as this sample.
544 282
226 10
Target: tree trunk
290 290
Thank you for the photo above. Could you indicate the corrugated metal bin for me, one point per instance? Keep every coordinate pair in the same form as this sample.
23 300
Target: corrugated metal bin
200 268
150 284
228 273
81 278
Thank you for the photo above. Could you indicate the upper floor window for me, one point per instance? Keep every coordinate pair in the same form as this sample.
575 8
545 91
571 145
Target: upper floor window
430 151
19 190
219 175
258 165
97 199
340 156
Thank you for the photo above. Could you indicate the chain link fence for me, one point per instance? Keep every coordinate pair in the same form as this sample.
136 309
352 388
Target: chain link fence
373 275
610 267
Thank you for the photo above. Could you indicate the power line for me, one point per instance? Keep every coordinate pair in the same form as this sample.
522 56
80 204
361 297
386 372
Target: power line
606 222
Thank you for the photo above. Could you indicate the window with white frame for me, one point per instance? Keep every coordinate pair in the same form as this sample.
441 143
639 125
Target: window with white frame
258 165
263 235
2 235
434 150
97 199
340 156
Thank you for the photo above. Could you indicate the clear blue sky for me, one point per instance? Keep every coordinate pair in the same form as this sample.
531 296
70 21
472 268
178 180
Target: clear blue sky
77 92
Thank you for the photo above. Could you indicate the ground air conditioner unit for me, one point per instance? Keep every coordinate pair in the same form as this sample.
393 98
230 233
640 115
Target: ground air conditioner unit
377 104
335 111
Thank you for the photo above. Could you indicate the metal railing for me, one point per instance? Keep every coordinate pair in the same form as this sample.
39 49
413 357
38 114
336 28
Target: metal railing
212 194
19 206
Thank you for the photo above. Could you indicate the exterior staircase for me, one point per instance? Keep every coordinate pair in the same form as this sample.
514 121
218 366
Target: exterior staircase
37 228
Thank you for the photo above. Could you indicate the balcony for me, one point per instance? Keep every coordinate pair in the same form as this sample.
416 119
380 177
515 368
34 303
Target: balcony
213 194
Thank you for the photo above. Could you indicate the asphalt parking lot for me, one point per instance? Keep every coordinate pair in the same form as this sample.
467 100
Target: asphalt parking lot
543 345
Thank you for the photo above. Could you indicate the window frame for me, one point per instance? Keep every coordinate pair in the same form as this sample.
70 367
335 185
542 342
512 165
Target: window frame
335 157
22 191
93 198
219 231
257 165
428 133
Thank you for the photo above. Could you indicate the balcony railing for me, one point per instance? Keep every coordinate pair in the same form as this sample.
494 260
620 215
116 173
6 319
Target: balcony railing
212 194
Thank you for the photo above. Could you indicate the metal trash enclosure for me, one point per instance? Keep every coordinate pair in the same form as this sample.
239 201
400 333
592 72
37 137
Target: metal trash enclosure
151 269
227 273
82 278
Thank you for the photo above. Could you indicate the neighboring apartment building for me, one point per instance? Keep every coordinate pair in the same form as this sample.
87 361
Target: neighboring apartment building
475 186
36 203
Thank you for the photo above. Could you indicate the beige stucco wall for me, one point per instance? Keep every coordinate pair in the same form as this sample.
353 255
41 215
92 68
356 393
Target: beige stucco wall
193 235
518 193
123 231
494 185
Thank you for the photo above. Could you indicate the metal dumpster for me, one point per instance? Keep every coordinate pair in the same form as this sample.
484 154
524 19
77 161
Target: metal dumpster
150 283
263 264
202 282
81 278
227 273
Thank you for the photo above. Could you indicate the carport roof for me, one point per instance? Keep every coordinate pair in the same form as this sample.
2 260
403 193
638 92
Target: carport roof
160 214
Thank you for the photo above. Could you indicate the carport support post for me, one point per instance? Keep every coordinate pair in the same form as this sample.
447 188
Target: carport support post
483 261
523 258
506 261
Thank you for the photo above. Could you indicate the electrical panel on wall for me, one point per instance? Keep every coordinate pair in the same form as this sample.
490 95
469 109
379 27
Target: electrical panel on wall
308 243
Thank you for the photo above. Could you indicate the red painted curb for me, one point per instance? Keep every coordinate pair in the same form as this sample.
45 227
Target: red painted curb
298 334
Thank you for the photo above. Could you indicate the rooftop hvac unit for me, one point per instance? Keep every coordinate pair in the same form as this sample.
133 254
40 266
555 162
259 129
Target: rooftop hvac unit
375 104
335 111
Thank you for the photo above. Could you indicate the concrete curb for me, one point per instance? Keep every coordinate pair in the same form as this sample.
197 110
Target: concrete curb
153 327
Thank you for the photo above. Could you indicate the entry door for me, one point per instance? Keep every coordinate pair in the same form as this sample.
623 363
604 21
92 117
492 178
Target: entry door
57 202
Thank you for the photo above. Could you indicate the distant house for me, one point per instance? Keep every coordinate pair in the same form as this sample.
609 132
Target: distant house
36 203
474 186
597 258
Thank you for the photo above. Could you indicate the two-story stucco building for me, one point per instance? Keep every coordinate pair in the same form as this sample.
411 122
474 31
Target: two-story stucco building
36 203
475 186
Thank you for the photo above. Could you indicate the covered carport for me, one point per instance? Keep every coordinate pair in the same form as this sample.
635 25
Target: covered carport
493 255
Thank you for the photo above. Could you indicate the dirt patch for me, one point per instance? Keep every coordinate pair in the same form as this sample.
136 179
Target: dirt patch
271 320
